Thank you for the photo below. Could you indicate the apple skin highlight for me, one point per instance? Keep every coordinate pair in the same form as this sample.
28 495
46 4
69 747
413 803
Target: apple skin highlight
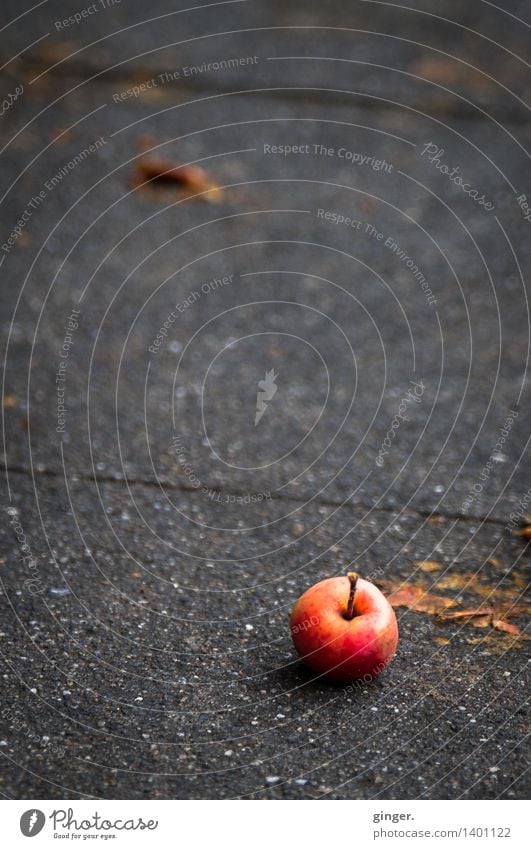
339 648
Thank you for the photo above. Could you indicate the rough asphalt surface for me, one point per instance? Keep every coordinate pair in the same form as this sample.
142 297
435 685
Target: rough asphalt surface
154 539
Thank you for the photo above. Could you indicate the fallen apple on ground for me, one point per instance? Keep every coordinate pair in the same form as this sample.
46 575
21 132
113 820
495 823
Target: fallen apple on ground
344 629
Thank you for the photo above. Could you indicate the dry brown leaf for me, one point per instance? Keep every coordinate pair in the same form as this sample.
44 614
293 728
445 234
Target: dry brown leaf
480 621
451 72
427 565
495 645
475 582
417 598
456 581
367 204
494 561
459 614
9 402
498 644
145 142
524 532
24 240
501 625
436 519
55 51
441 641
190 177
507 611
62 135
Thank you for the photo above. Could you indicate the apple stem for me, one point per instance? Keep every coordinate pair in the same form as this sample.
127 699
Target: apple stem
353 578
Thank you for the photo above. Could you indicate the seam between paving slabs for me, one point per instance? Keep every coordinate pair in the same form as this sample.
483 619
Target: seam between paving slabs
171 485
315 94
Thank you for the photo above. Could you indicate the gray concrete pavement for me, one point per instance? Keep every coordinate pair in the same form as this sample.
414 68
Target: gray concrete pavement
169 534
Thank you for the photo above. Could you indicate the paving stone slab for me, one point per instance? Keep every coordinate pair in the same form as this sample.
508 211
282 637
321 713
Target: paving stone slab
142 660
185 305
443 57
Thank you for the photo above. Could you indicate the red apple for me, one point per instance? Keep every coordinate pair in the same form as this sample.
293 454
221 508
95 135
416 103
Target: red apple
345 629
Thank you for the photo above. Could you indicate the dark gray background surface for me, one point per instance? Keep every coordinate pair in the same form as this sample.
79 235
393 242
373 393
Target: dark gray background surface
155 660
